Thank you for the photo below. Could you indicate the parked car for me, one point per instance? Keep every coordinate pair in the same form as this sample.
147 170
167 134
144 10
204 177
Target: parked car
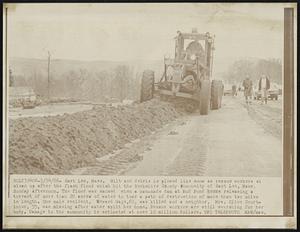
227 90
273 92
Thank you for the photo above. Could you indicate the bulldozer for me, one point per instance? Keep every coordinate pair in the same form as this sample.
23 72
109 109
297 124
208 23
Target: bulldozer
188 75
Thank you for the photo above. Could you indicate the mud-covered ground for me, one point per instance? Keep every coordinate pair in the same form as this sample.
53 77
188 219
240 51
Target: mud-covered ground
153 138
269 116
58 144
234 141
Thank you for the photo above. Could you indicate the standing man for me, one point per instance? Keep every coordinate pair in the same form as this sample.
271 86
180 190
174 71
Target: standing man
234 93
263 87
248 89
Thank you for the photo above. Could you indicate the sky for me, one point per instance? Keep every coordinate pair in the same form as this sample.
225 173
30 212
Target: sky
122 32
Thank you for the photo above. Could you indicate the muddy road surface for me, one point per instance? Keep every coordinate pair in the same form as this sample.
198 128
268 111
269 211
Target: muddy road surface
237 140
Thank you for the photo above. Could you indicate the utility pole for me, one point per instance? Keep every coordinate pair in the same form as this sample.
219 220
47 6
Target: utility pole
212 56
49 56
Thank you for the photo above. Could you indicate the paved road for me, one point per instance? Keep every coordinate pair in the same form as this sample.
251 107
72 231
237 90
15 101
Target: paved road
48 110
57 109
227 142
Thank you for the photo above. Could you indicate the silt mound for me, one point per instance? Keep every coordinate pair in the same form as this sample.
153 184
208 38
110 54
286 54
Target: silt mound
56 144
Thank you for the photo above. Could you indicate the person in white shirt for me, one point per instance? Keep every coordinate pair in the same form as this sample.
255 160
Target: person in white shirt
263 87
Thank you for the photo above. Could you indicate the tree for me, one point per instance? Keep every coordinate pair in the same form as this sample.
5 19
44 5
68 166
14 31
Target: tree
254 68
121 81
11 78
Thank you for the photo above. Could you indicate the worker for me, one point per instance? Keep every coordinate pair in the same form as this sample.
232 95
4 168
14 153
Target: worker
263 87
248 89
234 92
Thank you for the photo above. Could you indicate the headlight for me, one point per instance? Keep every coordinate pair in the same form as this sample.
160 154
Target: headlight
193 57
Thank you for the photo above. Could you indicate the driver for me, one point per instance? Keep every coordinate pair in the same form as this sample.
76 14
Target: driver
193 50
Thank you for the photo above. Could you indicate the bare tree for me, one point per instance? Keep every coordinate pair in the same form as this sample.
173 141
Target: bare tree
241 68
11 78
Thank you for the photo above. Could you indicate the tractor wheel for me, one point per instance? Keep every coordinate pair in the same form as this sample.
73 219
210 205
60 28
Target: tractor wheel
204 97
216 95
147 86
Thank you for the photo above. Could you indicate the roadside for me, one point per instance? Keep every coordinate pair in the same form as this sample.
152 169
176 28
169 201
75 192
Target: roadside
268 116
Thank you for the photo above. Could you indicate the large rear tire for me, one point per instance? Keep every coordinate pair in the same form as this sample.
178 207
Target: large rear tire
147 85
204 102
216 94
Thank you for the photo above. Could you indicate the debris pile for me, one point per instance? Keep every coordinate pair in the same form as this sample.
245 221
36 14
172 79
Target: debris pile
56 144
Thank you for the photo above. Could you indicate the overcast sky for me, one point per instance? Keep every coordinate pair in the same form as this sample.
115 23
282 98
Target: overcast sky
143 31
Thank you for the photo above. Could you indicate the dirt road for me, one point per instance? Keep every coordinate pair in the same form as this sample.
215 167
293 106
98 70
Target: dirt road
227 142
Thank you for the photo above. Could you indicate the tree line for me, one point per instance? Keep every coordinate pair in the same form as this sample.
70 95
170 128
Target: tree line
82 84
238 71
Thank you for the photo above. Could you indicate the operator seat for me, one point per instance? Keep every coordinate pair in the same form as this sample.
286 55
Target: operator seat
194 48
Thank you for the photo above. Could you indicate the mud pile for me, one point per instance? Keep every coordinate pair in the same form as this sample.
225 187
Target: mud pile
56 144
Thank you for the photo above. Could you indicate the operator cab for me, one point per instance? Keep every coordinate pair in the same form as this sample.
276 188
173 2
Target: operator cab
194 50
190 46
